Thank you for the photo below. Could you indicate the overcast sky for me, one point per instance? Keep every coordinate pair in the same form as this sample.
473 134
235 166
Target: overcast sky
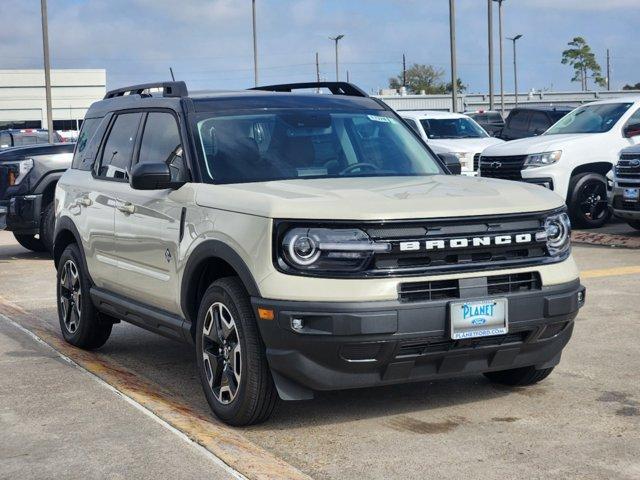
208 42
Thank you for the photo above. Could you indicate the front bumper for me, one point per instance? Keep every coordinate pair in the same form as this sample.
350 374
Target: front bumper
360 344
23 213
625 209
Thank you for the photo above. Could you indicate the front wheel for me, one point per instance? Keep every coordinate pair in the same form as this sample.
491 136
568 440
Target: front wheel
588 204
519 377
231 357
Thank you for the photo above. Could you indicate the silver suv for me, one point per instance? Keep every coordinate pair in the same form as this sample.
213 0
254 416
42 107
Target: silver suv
305 242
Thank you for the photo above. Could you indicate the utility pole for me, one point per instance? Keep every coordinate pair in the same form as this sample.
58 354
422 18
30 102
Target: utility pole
47 67
337 39
608 71
515 66
501 62
490 38
454 70
318 70
255 44
404 71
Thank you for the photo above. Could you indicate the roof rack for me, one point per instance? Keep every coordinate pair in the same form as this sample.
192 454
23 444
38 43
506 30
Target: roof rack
169 89
337 88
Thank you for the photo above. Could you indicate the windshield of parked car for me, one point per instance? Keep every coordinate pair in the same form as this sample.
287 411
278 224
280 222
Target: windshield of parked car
590 119
302 144
438 128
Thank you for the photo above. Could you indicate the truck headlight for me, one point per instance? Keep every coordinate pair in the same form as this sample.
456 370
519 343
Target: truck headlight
327 249
542 159
558 231
18 170
464 157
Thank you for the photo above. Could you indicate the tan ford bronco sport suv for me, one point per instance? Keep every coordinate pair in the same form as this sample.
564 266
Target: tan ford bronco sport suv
305 242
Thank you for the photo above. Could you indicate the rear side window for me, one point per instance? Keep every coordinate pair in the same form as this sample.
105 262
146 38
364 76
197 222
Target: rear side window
519 120
115 161
539 122
413 125
161 143
87 132
5 139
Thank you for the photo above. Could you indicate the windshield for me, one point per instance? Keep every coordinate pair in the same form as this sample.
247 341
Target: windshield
437 128
590 119
291 144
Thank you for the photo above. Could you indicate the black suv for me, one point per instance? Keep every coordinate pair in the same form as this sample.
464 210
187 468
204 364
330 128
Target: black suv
28 178
524 122
490 120
15 137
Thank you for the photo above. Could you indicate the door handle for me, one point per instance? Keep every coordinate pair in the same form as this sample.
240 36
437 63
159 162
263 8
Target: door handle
126 208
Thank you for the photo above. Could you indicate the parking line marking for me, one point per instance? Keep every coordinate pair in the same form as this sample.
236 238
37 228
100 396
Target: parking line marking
242 457
610 272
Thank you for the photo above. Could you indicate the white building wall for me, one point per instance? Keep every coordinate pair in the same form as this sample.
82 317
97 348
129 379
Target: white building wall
22 94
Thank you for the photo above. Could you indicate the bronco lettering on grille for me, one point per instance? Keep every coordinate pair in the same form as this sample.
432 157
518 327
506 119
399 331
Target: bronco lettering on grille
453 243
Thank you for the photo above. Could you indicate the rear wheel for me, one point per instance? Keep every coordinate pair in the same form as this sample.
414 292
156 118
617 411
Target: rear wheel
635 224
519 376
80 323
231 357
588 200
30 242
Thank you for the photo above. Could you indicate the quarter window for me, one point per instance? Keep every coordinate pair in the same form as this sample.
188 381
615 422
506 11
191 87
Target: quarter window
89 127
117 151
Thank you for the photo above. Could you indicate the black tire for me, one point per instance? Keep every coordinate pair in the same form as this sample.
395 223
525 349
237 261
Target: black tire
587 200
47 225
30 242
519 376
83 326
634 223
255 396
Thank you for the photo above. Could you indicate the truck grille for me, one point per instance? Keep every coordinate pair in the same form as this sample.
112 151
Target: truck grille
507 168
628 167
435 346
452 289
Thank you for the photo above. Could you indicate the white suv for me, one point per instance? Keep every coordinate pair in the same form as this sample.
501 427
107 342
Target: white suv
452 133
573 157
304 242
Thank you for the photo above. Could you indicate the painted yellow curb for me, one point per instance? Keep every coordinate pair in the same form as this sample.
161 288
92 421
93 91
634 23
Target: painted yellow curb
610 272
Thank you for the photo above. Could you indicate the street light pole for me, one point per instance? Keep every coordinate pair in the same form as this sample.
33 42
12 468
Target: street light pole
515 66
490 39
452 40
47 68
255 44
337 39
501 60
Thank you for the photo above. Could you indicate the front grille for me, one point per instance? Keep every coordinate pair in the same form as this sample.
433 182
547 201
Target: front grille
513 283
628 167
476 162
428 346
455 288
619 203
360 352
507 167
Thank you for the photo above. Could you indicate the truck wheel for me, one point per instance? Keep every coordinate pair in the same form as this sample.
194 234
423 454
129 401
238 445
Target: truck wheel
519 376
47 225
231 357
635 224
588 200
81 325
30 242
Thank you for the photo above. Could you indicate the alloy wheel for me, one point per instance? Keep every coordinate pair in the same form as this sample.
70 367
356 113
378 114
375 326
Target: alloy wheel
70 296
221 353
592 200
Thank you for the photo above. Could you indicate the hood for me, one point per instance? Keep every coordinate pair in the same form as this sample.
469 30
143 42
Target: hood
472 145
379 198
542 143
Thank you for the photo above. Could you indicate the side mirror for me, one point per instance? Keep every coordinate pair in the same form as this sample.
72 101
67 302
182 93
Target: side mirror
151 176
451 162
631 130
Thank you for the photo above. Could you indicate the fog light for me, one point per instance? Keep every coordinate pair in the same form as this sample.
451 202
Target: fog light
297 324
580 296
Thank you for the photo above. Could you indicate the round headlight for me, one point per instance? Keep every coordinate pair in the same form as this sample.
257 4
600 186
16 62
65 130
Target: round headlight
558 229
303 249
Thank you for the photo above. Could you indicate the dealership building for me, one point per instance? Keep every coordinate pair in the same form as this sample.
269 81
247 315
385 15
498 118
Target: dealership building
23 100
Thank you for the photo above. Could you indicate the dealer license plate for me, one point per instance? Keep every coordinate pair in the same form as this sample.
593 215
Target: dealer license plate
631 194
478 318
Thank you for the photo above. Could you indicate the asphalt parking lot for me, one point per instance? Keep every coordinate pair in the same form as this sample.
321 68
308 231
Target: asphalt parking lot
59 421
